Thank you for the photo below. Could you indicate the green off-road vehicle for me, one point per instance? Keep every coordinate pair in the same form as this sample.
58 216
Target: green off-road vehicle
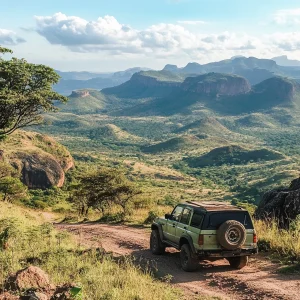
206 231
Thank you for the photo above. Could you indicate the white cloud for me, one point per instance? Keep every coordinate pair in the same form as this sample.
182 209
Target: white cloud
287 17
192 22
288 41
107 34
9 38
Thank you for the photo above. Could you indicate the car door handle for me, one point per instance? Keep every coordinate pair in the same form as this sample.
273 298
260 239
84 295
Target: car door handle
184 227
173 225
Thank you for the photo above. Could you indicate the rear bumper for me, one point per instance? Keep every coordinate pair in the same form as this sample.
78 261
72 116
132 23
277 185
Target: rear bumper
226 253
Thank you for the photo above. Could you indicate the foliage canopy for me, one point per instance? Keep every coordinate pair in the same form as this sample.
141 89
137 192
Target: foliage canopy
104 188
25 93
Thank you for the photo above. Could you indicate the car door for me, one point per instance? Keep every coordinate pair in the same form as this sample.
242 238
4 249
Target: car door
183 224
172 223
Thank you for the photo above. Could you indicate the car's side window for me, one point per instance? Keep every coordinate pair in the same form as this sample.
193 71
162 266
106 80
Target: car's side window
176 214
185 217
197 219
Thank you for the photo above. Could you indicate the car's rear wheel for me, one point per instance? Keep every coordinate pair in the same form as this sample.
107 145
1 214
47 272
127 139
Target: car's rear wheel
156 245
188 262
238 262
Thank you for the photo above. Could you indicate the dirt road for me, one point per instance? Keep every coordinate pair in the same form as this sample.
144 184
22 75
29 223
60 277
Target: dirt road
259 280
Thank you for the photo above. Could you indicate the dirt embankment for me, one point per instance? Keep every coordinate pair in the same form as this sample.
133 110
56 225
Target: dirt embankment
259 280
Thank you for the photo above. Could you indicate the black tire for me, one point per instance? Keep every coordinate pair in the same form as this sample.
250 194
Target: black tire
238 262
156 245
188 262
231 235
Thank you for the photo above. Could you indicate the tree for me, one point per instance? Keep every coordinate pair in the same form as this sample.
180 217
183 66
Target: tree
104 188
12 189
25 93
6 170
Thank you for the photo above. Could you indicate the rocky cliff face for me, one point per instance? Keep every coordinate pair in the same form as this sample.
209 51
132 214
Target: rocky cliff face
39 160
281 204
81 94
215 84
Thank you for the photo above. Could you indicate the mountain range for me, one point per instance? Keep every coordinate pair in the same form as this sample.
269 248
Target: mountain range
253 69
85 80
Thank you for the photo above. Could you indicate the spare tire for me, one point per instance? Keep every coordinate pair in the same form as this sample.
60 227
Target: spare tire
231 235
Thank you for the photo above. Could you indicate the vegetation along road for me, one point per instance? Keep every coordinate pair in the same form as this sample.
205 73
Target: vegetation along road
259 280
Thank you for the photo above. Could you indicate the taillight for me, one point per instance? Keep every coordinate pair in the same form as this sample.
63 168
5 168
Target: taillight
254 238
201 240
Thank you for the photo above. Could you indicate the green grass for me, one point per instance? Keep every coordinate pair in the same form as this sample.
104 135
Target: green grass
30 240
286 243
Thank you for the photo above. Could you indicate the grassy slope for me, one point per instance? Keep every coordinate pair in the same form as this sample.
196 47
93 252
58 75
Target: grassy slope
92 103
30 239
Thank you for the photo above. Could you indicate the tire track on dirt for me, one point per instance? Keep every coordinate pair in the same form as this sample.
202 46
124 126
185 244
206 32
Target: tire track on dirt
258 281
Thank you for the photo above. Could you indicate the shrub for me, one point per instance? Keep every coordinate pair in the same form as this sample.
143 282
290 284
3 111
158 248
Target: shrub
152 215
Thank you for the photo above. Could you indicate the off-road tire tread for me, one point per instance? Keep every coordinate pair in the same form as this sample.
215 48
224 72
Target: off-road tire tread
161 248
192 263
221 235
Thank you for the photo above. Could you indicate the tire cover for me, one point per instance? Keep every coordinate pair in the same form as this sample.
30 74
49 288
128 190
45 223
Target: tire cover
231 235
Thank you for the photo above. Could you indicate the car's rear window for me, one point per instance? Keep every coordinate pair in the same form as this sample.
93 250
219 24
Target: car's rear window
214 219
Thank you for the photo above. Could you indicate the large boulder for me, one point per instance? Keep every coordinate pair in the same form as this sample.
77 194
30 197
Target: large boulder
33 283
281 204
39 160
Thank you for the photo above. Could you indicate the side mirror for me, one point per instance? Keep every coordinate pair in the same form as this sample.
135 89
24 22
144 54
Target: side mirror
168 216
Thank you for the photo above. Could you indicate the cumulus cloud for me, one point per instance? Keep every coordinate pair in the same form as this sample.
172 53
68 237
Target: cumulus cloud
287 16
289 41
107 34
9 38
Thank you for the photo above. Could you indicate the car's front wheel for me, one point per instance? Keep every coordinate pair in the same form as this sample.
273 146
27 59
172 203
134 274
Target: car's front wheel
238 262
156 245
188 262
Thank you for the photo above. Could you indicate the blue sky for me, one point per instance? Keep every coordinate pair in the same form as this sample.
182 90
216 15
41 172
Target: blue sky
113 35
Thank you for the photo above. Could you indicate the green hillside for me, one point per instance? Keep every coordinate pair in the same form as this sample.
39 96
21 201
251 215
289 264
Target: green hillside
205 126
175 144
232 155
112 132
84 102
258 120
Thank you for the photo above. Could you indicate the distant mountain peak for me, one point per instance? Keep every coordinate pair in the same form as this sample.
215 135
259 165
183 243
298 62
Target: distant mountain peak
283 60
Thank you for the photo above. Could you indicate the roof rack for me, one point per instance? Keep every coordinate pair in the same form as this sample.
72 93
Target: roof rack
194 203
214 205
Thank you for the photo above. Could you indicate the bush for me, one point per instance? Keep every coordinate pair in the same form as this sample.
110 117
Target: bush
169 201
152 215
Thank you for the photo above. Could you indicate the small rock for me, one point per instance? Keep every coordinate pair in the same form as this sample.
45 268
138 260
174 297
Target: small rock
32 278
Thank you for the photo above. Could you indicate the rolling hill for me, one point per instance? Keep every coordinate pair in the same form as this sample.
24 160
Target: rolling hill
175 144
205 126
84 102
113 133
232 155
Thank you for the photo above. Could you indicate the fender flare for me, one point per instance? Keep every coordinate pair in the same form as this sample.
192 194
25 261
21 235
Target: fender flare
190 241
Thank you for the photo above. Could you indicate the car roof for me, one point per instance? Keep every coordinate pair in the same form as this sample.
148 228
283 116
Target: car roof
214 206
